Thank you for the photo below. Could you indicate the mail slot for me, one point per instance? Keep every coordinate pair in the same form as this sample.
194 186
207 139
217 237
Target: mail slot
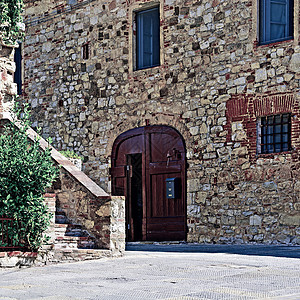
173 188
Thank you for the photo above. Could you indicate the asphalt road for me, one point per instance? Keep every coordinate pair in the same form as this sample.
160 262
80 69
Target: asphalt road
172 272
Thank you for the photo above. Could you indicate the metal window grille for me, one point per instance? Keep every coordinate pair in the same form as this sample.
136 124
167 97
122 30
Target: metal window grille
8 228
275 135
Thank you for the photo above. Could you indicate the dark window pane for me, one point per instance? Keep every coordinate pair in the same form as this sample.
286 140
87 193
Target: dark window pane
285 138
285 118
277 148
285 147
270 139
277 128
277 119
277 138
270 130
278 13
270 120
18 72
270 148
285 128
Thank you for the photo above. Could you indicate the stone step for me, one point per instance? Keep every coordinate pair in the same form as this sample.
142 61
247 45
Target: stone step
69 255
76 238
61 218
73 244
70 236
70 230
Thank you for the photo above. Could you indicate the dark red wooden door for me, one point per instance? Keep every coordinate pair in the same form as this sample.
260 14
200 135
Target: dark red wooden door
142 160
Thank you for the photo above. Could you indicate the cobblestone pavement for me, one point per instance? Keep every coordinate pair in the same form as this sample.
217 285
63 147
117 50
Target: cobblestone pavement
162 275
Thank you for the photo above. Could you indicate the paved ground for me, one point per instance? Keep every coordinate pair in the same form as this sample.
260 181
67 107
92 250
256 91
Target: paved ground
165 272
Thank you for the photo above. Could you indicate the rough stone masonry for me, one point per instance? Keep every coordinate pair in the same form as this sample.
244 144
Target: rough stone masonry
214 83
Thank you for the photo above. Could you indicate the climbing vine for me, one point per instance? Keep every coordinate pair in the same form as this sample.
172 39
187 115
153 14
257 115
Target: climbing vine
11 21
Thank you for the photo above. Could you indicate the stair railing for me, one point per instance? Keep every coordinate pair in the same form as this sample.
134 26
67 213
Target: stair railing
9 237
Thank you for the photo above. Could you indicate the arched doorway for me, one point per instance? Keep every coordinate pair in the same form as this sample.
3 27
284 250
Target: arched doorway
149 168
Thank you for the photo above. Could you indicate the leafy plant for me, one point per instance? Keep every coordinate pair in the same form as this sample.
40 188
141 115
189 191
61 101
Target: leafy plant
70 154
11 21
25 172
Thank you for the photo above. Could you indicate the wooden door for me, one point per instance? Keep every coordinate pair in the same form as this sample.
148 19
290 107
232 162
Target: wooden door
142 160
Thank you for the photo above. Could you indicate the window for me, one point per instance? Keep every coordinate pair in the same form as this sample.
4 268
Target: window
274 134
85 51
147 38
18 72
276 20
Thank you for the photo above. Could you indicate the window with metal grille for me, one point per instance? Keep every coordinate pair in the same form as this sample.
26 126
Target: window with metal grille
147 38
274 134
275 20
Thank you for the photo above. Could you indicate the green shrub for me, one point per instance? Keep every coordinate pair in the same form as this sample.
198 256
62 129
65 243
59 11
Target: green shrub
11 26
70 154
25 172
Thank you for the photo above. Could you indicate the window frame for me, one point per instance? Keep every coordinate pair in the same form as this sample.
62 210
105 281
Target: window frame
266 134
264 17
138 28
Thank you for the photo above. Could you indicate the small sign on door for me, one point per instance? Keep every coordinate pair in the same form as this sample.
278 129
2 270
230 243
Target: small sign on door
173 188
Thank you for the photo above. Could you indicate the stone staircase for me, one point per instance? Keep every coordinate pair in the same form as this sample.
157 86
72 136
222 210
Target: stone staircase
70 236
72 242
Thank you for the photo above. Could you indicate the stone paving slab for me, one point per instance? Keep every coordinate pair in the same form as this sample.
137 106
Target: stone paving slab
159 275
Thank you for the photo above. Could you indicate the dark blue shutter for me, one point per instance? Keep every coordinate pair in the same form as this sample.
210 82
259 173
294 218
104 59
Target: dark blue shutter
148 38
276 20
18 72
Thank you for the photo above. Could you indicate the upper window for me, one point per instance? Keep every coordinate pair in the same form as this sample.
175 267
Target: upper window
147 38
276 20
18 72
274 134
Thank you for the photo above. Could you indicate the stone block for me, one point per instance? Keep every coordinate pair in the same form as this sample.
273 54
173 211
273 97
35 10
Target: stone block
295 63
255 220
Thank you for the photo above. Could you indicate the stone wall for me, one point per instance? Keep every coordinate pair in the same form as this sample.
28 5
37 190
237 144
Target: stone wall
7 86
103 217
213 82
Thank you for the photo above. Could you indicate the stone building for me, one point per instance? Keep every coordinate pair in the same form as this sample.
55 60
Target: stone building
188 108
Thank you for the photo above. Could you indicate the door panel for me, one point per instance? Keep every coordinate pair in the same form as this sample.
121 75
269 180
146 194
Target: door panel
162 153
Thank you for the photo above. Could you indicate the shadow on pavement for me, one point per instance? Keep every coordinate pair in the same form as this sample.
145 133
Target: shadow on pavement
258 250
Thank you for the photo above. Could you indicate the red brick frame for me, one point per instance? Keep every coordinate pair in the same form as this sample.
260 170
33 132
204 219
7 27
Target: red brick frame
247 108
